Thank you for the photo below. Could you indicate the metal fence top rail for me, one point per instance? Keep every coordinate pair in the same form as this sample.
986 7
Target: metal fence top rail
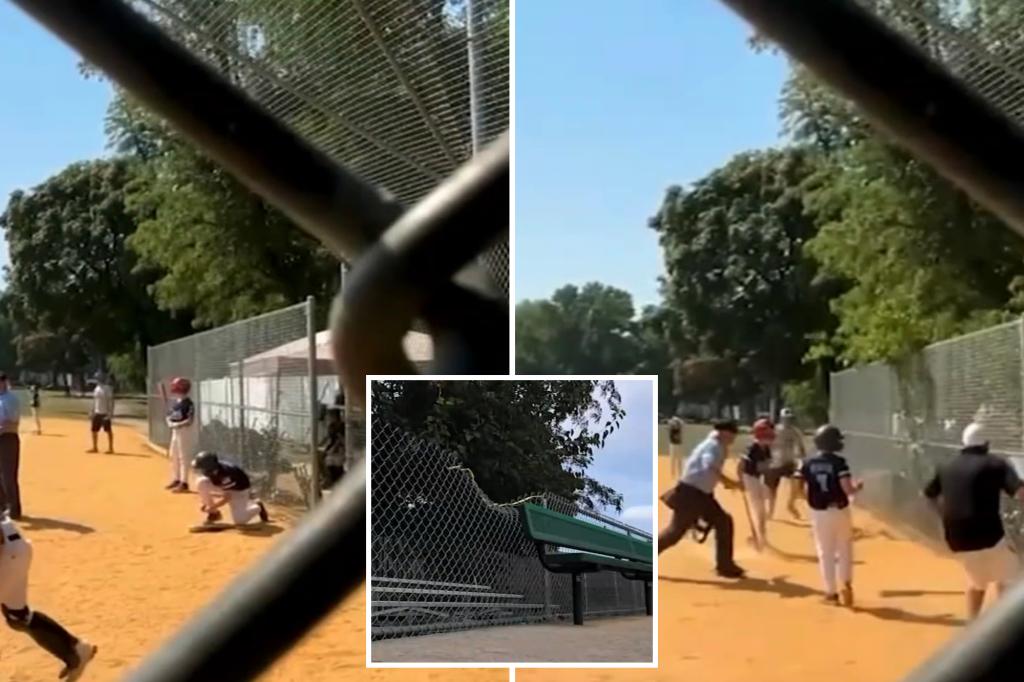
237 323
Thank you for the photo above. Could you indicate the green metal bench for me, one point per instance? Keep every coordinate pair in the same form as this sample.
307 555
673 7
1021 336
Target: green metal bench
600 549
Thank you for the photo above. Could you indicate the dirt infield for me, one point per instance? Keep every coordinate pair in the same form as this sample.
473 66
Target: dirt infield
773 627
114 561
599 639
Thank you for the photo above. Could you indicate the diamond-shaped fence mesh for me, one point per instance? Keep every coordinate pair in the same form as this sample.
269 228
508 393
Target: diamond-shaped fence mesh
400 91
251 385
901 422
979 41
444 557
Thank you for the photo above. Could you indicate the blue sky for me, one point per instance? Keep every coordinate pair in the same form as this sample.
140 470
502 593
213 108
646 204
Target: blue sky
615 102
50 115
626 461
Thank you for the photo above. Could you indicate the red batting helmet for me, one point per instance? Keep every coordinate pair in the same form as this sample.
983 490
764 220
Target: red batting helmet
180 385
763 430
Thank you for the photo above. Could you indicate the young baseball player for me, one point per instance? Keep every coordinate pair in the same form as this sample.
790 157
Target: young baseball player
15 562
829 486
181 419
966 492
789 452
222 483
102 413
34 394
675 445
751 469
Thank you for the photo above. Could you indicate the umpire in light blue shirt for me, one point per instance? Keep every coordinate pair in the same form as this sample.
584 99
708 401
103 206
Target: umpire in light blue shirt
10 449
692 499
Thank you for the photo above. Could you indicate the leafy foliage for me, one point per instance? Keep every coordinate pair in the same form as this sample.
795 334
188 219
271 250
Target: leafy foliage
517 437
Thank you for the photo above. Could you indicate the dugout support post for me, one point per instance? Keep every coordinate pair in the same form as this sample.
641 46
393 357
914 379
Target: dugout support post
577 598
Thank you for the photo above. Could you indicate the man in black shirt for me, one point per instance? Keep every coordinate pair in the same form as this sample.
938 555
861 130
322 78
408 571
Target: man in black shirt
965 491
828 485
222 483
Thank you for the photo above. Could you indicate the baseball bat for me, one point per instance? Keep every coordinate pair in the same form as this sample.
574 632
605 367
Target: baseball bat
163 394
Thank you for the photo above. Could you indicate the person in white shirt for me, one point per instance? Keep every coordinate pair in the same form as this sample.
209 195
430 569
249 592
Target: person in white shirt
102 413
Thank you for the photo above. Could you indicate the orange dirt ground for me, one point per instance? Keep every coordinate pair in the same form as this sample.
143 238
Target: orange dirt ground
773 627
115 563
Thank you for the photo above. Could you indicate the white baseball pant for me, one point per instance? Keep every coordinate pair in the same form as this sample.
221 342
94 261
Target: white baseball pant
181 451
996 564
758 499
833 536
15 561
243 507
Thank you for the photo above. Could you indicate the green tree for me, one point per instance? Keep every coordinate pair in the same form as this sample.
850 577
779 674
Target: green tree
517 437
71 273
588 330
737 276
8 352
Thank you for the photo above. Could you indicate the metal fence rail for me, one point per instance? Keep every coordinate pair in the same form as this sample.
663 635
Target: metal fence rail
444 557
257 385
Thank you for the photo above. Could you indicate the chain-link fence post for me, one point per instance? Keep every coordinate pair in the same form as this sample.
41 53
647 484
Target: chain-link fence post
547 579
473 39
241 400
314 493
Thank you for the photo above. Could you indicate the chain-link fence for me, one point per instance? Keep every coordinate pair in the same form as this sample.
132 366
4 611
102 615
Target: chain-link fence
902 421
400 91
444 557
253 383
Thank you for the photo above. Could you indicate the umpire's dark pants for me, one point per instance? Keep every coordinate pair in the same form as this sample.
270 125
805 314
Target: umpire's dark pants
10 457
688 505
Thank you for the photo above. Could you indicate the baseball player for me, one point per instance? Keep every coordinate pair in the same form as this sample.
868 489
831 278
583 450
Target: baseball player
966 492
692 500
34 395
222 483
829 487
675 445
789 451
15 562
750 472
184 437
102 413
333 446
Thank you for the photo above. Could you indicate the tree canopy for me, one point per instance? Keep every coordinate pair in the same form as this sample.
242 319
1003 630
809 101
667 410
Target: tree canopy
517 437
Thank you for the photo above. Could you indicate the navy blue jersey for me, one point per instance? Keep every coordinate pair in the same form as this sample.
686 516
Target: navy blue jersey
823 474
181 410
228 476
755 459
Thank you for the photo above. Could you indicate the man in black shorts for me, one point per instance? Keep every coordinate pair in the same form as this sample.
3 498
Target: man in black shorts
10 449
966 491
102 413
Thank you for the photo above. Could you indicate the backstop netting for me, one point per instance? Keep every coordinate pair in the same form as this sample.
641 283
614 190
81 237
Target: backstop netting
901 421
444 557
251 382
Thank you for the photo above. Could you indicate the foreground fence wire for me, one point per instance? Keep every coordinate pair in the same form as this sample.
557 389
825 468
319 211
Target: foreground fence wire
444 557
253 383
902 421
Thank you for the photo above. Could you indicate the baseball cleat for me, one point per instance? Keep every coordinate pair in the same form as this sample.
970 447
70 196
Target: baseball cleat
847 594
733 571
180 488
213 517
172 485
264 516
85 652
832 599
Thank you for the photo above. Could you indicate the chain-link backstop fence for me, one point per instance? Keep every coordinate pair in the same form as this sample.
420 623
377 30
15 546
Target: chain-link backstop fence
902 421
444 557
401 91
254 384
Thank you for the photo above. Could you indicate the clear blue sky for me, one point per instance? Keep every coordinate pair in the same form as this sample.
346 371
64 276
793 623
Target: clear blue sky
50 115
615 102
626 461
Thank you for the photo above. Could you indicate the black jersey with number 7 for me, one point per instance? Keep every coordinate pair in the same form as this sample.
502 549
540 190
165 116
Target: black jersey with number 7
822 474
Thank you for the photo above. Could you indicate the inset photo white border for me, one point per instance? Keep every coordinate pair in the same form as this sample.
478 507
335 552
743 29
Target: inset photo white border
512 666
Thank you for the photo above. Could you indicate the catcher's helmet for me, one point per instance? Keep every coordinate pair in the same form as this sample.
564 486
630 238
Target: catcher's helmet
828 438
763 429
206 462
180 385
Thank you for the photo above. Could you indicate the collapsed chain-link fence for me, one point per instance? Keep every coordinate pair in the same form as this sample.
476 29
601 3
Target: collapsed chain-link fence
444 557
253 384
401 91
901 421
